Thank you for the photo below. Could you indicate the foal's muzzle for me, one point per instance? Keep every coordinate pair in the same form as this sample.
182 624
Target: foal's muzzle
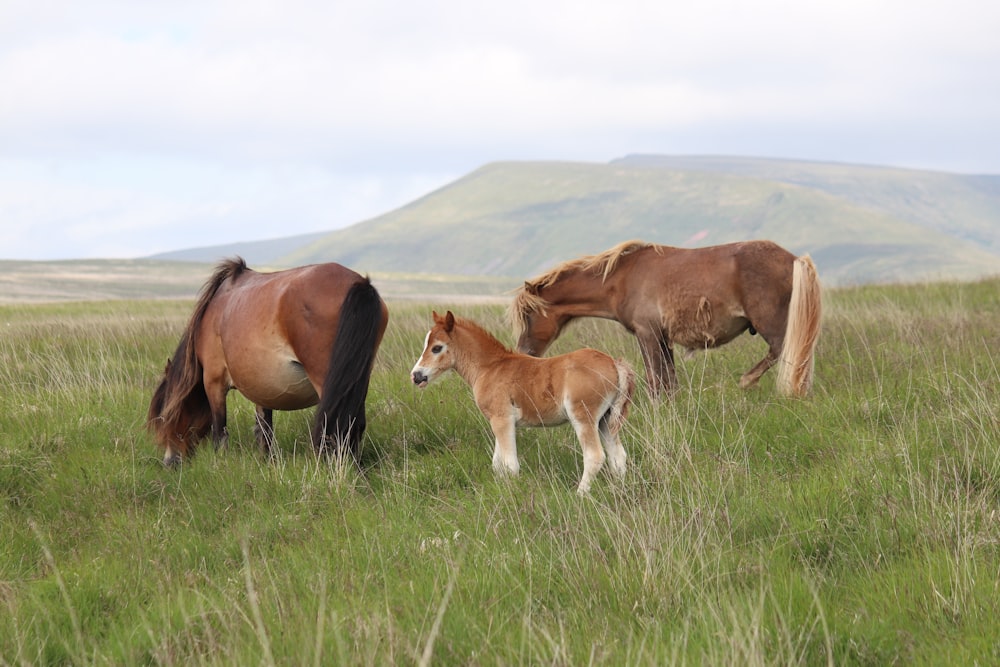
420 378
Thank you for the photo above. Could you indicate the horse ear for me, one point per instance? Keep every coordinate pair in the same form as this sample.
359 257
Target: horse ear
449 322
530 288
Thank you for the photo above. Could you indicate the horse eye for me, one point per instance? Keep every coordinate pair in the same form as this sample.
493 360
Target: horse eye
437 349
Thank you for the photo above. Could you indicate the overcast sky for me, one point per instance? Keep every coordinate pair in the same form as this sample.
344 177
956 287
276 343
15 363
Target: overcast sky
131 128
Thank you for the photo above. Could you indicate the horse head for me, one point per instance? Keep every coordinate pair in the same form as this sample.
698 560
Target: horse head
437 357
535 322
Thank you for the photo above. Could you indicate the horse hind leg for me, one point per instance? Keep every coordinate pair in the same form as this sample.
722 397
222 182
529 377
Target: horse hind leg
263 430
588 432
613 448
751 377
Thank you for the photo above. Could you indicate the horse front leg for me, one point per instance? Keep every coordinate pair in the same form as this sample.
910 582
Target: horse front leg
216 392
505 445
658 359
263 429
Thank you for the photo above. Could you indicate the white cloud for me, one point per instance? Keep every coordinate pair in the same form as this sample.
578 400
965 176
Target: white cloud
161 113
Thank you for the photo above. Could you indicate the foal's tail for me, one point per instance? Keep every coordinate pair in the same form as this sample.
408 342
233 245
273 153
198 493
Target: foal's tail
340 415
618 411
179 414
795 365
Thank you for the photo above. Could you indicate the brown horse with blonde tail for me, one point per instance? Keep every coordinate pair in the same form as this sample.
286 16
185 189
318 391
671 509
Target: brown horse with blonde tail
696 298
286 340
586 388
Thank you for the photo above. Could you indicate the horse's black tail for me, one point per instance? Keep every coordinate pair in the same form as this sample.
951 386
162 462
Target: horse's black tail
340 415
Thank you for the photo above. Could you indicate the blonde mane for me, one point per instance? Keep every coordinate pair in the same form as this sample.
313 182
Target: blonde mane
526 298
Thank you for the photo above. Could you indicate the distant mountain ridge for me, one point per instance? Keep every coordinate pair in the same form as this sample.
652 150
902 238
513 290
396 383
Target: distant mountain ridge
861 224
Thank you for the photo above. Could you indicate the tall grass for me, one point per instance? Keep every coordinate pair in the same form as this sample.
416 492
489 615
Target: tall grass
859 525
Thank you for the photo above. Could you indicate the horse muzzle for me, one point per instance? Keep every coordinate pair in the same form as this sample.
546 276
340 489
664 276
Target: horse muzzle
420 378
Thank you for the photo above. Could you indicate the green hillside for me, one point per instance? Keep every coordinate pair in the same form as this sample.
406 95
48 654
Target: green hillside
860 224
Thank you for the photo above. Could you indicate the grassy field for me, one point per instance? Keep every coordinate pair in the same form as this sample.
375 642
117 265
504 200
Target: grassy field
857 526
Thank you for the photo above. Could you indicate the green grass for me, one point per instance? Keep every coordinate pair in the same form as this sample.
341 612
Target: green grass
857 526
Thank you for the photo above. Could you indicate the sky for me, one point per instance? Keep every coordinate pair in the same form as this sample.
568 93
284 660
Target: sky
129 128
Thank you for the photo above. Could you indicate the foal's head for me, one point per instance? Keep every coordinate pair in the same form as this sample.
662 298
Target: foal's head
437 356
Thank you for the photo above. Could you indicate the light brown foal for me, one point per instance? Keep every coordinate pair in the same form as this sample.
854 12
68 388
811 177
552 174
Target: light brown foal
586 388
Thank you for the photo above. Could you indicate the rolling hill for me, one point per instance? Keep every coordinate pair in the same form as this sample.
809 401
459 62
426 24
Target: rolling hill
861 224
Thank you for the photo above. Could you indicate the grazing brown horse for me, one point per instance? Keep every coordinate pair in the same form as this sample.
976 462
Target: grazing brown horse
587 388
695 298
286 340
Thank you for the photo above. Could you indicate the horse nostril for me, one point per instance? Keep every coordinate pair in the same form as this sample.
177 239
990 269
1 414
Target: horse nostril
418 377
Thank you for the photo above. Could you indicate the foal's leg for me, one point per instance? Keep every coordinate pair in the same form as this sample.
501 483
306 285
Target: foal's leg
505 448
588 433
263 429
613 448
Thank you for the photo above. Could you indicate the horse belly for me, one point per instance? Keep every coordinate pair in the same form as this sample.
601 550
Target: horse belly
705 327
534 416
534 406
540 407
281 385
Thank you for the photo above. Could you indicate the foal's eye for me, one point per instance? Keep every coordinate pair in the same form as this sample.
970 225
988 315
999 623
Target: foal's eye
437 349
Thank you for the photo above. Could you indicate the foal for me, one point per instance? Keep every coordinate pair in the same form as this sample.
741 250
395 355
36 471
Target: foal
587 388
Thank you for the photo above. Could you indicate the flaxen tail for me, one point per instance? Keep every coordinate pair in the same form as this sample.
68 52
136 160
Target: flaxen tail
626 387
795 366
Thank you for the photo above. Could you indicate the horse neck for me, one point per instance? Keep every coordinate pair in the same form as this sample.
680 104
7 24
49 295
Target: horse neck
475 349
581 294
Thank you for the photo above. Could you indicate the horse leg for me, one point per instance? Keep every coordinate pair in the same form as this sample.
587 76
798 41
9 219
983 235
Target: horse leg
658 358
216 391
505 448
263 429
593 455
588 432
751 377
774 342
613 448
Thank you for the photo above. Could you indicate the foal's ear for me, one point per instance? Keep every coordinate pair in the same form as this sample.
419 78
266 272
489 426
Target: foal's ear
530 288
449 322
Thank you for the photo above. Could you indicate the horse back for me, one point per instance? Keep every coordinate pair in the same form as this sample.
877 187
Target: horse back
704 295
268 331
